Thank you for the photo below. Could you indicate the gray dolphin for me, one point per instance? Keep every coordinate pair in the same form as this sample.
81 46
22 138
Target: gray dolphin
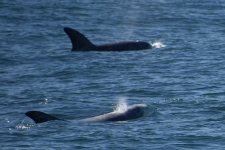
132 112
81 43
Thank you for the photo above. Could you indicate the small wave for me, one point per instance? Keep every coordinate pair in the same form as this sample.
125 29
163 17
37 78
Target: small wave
158 44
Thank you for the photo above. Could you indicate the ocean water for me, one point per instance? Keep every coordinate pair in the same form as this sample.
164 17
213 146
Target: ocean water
182 82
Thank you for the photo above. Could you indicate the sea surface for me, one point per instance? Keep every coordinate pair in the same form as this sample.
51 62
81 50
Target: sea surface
182 81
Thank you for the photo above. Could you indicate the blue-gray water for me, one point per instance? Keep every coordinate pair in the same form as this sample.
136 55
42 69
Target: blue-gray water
185 80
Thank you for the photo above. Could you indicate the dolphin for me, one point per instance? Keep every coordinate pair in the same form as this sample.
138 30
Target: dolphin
132 112
81 43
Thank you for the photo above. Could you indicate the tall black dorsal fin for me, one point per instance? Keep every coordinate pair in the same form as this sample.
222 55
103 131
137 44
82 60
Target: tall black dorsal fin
78 40
40 117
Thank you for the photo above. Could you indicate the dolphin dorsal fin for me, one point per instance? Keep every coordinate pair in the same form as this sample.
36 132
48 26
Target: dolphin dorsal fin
78 40
40 117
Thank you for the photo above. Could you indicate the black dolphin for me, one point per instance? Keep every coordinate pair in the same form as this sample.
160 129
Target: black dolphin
132 112
81 43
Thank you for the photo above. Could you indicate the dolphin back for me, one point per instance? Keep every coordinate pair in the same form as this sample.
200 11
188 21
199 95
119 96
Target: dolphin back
133 112
81 43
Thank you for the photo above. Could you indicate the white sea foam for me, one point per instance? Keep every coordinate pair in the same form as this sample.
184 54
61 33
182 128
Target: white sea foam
158 44
24 125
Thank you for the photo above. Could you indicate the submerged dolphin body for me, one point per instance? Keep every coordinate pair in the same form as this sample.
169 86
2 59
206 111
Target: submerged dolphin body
81 43
132 112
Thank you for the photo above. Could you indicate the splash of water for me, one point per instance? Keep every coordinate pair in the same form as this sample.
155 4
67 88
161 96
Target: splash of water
44 102
121 106
158 44
24 125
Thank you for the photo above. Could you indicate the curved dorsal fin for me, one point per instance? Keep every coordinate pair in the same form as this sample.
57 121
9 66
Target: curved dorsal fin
40 117
78 40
